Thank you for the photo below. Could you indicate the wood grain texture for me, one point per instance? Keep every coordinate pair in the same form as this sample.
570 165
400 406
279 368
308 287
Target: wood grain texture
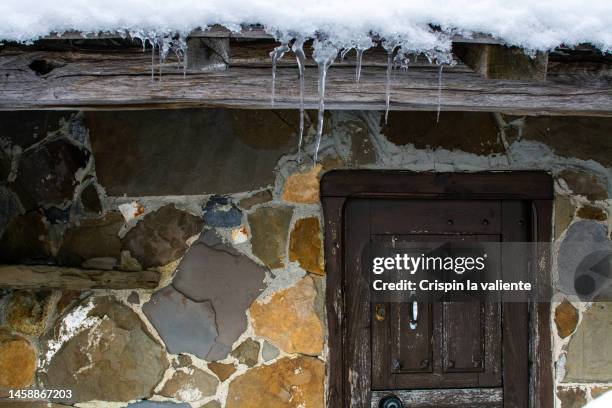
120 79
458 398
57 277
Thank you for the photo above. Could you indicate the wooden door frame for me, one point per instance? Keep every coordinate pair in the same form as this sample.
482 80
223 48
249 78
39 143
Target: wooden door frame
339 185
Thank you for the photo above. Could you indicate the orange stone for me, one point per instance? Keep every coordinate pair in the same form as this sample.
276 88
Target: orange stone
17 362
566 318
221 370
305 245
289 319
303 187
288 383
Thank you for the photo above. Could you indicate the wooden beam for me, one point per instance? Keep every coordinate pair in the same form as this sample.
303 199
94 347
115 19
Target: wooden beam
208 54
57 277
501 62
120 79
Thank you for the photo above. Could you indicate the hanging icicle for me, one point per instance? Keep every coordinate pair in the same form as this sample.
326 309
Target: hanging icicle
359 60
298 50
390 47
439 92
276 55
324 55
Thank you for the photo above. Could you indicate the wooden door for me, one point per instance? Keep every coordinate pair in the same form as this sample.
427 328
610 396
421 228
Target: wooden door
467 354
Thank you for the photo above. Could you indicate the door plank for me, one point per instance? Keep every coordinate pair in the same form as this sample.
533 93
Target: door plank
450 398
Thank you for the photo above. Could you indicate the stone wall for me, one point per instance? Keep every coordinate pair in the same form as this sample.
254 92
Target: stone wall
216 205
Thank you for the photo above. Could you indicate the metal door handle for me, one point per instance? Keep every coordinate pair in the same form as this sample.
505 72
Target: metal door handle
415 315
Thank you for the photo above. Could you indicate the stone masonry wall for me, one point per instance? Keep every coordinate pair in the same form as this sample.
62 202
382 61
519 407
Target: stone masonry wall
217 205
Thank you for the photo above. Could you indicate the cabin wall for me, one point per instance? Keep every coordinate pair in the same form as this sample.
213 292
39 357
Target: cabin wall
214 204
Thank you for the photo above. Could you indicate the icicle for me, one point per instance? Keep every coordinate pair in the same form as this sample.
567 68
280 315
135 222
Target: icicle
298 50
359 59
324 55
390 47
276 55
439 92
344 51
152 59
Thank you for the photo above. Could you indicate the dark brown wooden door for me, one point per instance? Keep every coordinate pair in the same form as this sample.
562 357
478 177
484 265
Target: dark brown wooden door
454 354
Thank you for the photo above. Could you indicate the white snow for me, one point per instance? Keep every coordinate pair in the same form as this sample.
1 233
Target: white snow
531 24
604 401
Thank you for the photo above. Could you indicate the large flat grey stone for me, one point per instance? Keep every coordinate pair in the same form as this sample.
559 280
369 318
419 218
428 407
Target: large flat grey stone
230 281
216 151
185 326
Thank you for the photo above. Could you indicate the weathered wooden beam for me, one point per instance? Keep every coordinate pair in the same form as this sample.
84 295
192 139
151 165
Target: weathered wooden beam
208 54
120 79
57 277
496 61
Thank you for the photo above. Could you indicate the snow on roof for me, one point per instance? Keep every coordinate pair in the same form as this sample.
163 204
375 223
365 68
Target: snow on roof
534 25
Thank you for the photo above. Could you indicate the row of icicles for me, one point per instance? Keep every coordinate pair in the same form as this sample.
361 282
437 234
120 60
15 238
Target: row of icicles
324 54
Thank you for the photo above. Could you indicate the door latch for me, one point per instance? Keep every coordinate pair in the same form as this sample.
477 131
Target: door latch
380 312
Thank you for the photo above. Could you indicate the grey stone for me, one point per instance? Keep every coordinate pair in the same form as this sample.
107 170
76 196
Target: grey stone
47 173
133 298
26 239
586 138
111 358
247 352
103 263
585 244
220 212
260 197
269 352
564 214
362 151
269 230
213 271
589 352
185 325
471 132
157 404
92 238
218 151
161 236
9 207
212 404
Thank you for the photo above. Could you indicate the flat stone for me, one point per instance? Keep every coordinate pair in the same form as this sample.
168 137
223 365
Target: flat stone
190 385
221 212
287 383
260 197
28 311
129 263
220 151
93 238
566 318
222 370
471 132
589 352
9 207
47 173
572 136
585 184
26 239
212 404
269 352
247 352
101 350
185 325
590 212
158 404
289 320
303 187
161 236
133 298
17 362
564 214
229 280
269 230
571 397
90 200
305 245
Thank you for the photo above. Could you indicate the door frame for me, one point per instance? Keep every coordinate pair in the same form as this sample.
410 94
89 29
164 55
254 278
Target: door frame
338 186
